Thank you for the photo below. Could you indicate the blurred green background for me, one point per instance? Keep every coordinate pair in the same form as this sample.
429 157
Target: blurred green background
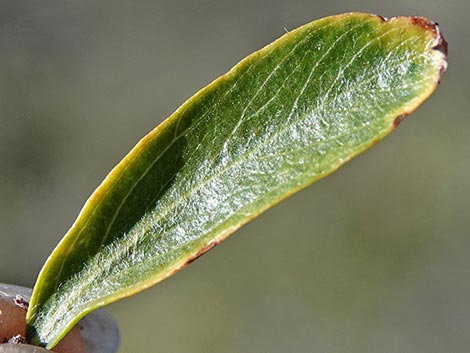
372 259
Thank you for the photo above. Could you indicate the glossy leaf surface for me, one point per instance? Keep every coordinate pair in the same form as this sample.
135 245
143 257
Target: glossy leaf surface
281 119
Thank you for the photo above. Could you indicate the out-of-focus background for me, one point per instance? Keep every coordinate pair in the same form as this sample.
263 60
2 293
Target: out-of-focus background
372 259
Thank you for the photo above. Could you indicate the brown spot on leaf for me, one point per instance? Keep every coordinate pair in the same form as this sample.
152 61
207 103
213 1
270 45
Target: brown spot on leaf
424 23
399 119
201 252
384 19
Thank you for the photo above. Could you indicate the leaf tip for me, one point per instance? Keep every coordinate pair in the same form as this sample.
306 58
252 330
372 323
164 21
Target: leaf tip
440 43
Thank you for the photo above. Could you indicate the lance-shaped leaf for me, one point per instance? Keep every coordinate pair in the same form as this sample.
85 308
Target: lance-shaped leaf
284 117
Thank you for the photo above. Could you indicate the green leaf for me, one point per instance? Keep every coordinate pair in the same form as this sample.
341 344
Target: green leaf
284 117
